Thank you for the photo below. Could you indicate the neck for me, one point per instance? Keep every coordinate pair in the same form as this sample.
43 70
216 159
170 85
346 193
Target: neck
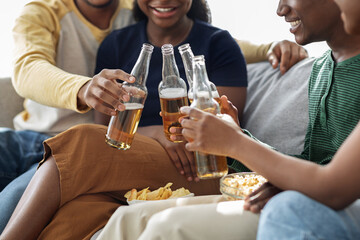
99 15
174 35
343 45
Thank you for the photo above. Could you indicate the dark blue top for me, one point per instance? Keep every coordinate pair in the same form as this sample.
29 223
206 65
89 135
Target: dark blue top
224 60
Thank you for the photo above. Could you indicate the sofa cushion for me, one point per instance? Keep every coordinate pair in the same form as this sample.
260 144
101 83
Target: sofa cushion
10 104
276 110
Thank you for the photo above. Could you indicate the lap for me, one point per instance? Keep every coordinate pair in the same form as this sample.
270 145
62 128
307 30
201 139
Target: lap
88 165
291 213
204 217
223 220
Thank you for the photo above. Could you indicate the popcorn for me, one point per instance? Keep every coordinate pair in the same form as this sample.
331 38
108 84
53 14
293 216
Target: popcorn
236 186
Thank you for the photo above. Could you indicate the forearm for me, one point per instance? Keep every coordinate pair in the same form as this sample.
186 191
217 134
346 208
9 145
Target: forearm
46 84
253 52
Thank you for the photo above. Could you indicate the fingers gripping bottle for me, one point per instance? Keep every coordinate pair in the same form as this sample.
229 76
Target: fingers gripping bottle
187 57
172 91
122 127
207 166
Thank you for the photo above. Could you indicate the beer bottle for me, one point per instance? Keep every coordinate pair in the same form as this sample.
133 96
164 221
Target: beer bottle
207 166
122 127
187 58
172 91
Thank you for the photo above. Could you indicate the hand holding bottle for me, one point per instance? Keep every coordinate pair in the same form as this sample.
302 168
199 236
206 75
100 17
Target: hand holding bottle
209 133
172 91
94 95
227 109
123 125
207 165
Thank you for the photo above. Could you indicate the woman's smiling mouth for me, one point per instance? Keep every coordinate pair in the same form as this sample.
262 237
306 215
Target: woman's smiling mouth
164 9
163 12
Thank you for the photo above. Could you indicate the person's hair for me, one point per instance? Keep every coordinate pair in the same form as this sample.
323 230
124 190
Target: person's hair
199 10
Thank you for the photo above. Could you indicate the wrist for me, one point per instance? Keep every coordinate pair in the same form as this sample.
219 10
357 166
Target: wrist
236 145
81 103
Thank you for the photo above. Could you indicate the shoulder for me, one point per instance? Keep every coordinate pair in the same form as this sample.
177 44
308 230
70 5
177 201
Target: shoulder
215 39
321 61
210 31
321 65
57 8
212 40
44 14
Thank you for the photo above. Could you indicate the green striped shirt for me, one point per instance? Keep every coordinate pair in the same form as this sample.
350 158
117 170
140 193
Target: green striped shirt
334 108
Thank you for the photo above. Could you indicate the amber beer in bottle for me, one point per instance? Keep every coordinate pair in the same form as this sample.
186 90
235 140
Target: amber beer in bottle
122 127
207 165
187 57
172 91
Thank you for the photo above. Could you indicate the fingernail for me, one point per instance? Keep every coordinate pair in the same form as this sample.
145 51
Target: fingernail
189 179
121 107
197 179
126 98
131 78
182 172
112 113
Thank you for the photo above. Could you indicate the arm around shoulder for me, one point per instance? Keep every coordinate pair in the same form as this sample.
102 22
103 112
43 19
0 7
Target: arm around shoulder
252 52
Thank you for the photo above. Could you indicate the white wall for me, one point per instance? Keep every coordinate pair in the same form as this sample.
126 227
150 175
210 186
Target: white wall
253 20
257 21
8 13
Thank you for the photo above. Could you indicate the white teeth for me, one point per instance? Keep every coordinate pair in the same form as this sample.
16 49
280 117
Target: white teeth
295 23
164 9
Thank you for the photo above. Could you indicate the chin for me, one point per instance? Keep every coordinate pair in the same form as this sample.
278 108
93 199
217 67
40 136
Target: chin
301 40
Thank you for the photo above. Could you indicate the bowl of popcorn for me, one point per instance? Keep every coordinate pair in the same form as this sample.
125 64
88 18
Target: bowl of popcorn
237 186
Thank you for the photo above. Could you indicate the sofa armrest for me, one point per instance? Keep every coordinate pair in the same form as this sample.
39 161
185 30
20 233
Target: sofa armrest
10 103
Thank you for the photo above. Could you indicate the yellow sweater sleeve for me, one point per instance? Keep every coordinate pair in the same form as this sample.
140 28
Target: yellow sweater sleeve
252 52
35 75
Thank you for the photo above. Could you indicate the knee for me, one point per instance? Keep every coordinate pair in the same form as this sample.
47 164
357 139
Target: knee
164 224
284 205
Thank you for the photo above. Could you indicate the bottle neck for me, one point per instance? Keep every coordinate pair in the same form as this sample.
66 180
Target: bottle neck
141 67
201 82
202 92
169 66
187 58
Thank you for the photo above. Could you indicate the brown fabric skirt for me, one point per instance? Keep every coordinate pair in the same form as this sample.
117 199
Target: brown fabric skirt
94 178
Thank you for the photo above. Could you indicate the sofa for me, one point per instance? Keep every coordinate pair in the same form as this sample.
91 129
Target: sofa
10 103
276 110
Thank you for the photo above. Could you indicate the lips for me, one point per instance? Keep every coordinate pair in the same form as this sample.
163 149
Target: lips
294 25
163 11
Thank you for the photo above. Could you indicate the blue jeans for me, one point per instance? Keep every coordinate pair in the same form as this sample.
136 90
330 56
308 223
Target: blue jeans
292 215
20 151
